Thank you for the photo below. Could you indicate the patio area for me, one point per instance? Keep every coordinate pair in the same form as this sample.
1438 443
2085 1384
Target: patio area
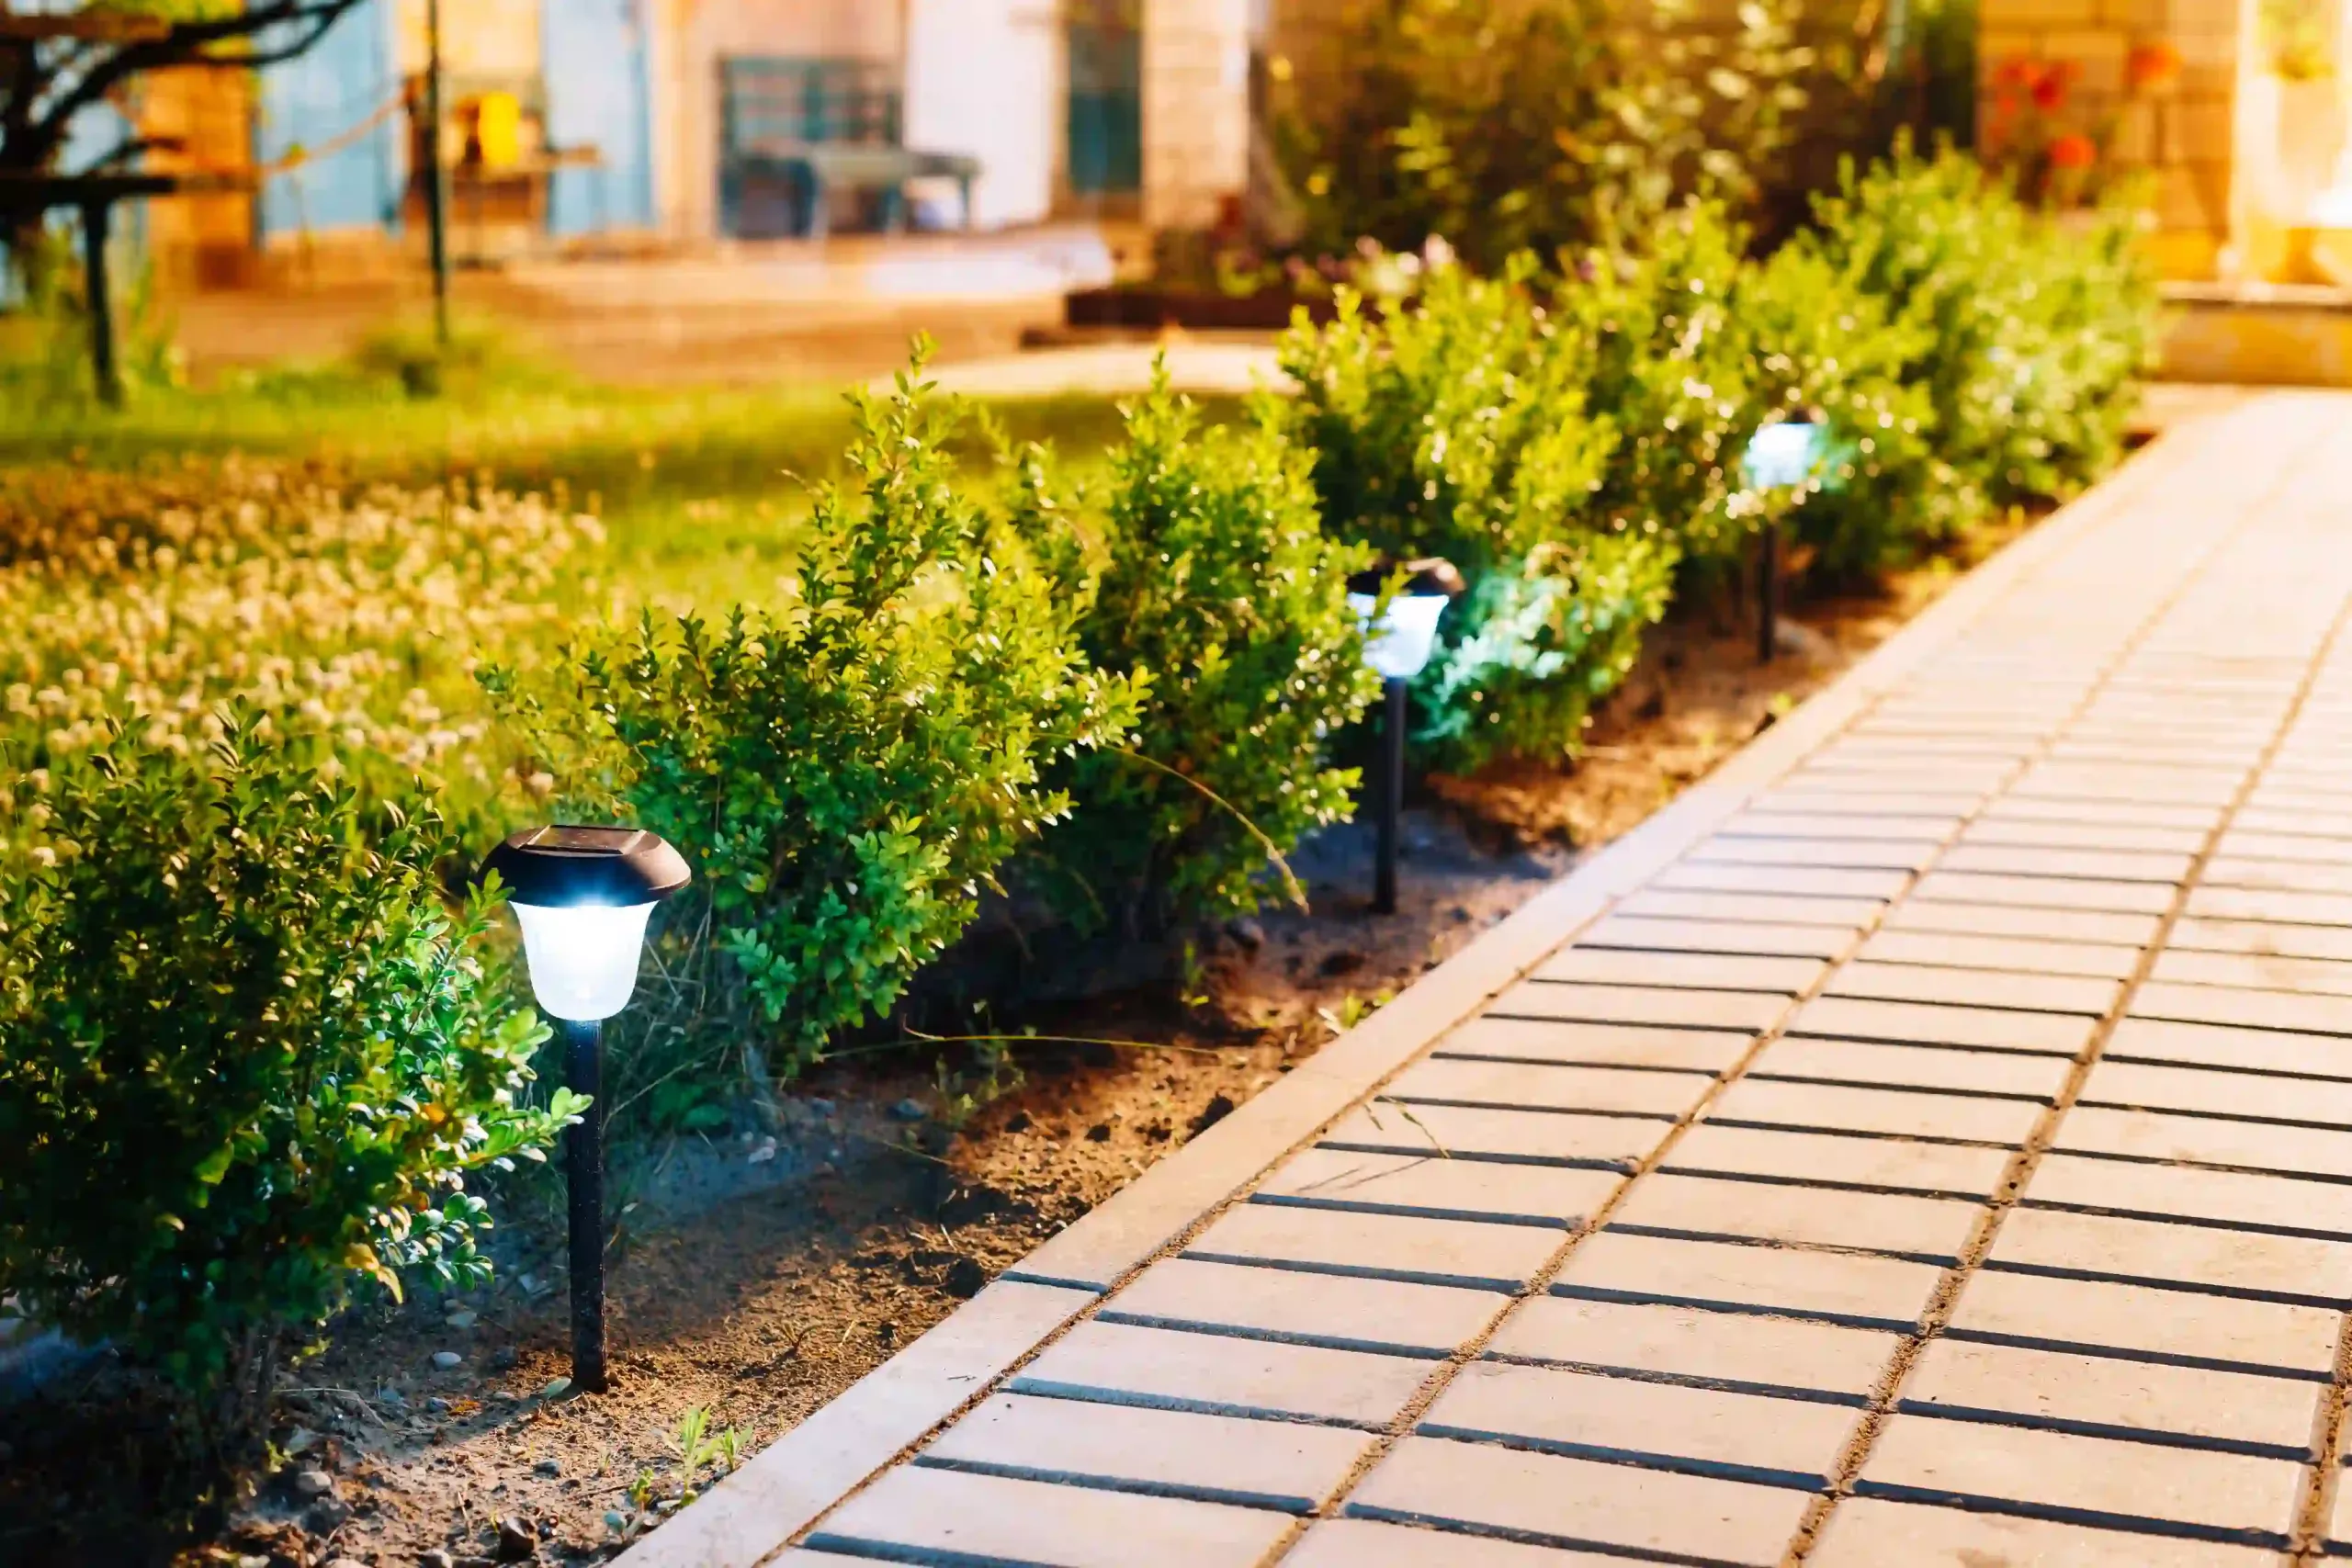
1923 1142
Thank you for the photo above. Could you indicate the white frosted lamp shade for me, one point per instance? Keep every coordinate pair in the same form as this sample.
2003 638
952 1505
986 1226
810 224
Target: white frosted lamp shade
1398 643
1782 455
583 957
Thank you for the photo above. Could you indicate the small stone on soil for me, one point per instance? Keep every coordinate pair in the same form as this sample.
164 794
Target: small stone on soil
761 1156
517 1541
1215 1112
549 1466
437 1558
1246 932
461 1319
312 1484
908 1110
1347 961
301 1440
820 1108
447 1359
503 1358
964 1279
1098 1133
1017 1123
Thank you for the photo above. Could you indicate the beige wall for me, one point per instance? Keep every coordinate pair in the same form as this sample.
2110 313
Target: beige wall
1195 109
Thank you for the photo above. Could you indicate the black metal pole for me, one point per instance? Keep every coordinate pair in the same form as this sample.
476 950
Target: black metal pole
101 290
1392 796
436 182
1768 592
584 1051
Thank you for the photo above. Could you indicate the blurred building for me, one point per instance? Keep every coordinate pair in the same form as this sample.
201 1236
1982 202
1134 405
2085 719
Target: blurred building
615 124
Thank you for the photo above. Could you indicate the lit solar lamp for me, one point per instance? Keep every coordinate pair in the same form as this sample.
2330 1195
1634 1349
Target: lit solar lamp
1779 456
1398 641
583 895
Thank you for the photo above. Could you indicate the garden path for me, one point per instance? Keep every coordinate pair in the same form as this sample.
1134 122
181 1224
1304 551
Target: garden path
1926 1141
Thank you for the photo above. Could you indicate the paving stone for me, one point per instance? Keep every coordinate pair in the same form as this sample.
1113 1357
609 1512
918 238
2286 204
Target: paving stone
1944 805
2216 1045
1839 1287
1762 908
1385 1316
2085 835
2150 1321
2045 892
1118 1362
1466 1081
1930 1023
2018 922
2246 843
1438 1252
1470 1132
1895 1163
2263 938
2311 976
1919 1066
2231 1197
2199 821
1436 1185
1879 1222
2261 1010
1612 1416
1898 854
1719 936
2060 1469
1973 742
1363 1543
2156 1135
2042 860
1869 1532
2086 780
1964 987
1581 1502
2290 823
2060 1387
1707 876
1973 954
995 1518
1616 1044
1640 1004
1218 1458
1829 1108
2254 904
1908 828
2189 1255
1698 971
2272 875
1717 1346
2198 1091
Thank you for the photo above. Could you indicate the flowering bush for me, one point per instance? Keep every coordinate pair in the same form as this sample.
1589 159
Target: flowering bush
245 1057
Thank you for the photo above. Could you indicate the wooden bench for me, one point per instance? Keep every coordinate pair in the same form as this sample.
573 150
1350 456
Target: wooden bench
813 126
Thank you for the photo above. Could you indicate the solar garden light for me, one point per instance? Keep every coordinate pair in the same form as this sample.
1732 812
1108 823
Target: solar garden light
1399 640
582 896
1782 455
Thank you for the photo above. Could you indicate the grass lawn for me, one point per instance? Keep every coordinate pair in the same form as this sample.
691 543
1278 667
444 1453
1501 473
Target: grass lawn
697 488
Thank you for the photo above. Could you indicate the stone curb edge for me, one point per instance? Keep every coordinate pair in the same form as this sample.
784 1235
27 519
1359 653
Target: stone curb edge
752 1515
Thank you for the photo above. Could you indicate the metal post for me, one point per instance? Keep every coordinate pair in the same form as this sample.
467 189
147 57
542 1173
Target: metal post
584 1049
100 291
1392 796
436 178
1768 592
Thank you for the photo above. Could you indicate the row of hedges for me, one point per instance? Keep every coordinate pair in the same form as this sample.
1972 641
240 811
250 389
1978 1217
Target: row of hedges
253 736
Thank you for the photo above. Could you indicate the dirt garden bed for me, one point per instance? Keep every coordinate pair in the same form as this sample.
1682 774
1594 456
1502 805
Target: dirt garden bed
756 1277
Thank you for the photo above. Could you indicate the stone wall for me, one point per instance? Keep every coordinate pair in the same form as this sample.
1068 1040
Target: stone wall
1195 109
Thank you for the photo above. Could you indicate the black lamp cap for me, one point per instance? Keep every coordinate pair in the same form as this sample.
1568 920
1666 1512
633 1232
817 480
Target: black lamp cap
1425 577
570 864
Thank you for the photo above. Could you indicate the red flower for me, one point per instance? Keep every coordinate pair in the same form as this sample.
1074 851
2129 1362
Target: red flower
2018 74
2153 67
2073 151
2050 92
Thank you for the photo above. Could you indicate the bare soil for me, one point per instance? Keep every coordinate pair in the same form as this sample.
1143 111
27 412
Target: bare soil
759 1279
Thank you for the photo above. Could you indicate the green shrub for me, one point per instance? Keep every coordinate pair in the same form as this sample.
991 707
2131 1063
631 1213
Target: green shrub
1208 580
845 771
1456 428
1821 347
245 1057
1506 126
2037 327
1667 368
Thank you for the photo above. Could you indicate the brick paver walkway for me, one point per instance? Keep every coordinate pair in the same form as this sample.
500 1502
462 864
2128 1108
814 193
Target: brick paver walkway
1946 1161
